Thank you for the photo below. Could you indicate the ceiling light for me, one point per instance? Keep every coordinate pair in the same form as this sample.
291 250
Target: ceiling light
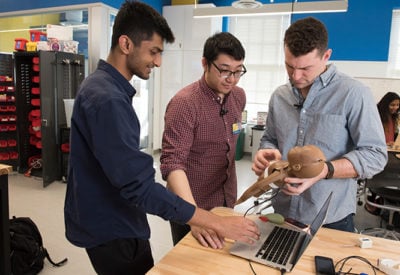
274 9
246 4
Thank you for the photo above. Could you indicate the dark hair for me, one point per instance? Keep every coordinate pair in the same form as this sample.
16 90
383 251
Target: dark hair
383 106
222 42
139 22
305 35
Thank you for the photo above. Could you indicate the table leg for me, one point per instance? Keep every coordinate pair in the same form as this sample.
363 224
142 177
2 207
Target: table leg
5 265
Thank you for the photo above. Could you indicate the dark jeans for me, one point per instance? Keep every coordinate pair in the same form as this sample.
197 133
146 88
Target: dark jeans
122 257
178 231
346 224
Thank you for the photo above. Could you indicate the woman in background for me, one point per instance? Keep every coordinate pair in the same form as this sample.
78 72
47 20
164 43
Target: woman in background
388 107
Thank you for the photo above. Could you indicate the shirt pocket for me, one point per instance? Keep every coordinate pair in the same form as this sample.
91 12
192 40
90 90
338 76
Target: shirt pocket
328 131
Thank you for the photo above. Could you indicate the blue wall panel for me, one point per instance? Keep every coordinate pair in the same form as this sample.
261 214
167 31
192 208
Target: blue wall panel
360 34
12 5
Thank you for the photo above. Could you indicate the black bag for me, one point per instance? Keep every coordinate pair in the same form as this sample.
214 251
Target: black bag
26 247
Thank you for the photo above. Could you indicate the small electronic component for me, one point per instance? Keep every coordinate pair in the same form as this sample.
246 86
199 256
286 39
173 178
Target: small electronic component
365 242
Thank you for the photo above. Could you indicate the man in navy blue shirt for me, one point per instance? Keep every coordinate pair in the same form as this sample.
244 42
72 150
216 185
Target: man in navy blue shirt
111 183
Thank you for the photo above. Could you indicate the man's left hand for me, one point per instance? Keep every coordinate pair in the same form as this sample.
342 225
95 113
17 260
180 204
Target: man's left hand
207 237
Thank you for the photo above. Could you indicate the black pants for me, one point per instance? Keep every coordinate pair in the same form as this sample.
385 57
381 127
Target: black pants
346 224
178 231
122 257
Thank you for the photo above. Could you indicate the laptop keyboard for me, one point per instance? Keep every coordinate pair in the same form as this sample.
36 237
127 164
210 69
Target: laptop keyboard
278 246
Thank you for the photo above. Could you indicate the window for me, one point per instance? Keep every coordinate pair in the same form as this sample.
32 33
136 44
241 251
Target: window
394 46
262 38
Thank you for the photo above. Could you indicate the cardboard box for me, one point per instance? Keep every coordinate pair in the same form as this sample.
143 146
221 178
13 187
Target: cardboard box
59 32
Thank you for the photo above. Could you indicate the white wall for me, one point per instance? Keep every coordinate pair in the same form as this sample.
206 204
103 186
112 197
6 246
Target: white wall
181 63
376 75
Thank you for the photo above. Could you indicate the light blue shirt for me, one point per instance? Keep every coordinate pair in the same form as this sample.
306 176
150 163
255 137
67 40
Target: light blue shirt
339 115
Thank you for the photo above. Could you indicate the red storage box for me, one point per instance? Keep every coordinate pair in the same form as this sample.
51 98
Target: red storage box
35 102
35 35
3 143
10 98
34 114
33 140
20 44
12 127
65 147
35 60
4 128
35 90
36 79
36 123
4 156
12 142
13 155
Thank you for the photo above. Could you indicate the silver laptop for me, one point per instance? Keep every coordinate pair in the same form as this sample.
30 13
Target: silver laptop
280 246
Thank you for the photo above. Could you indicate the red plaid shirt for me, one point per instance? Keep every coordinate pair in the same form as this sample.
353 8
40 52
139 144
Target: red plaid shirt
202 142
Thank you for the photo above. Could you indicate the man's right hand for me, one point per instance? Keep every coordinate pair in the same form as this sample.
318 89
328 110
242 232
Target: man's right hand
236 228
263 159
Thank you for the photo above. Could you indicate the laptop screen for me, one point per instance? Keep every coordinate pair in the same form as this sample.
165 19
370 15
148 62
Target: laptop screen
320 218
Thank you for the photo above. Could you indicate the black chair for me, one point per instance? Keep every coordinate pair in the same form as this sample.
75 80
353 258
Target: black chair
386 185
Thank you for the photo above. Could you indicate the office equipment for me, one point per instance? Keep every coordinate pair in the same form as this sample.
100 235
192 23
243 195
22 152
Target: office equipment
324 265
280 240
387 186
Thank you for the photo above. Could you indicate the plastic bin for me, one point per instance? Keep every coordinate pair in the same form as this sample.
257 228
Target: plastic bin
69 46
20 44
36 36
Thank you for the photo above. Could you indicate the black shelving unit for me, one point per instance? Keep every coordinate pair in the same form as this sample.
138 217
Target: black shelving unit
43 80
8 116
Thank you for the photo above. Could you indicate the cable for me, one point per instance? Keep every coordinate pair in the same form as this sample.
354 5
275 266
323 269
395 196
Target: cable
274 192
252 269
344 261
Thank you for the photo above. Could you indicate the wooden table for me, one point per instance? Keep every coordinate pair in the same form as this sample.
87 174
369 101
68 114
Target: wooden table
189 257
4 221
396 146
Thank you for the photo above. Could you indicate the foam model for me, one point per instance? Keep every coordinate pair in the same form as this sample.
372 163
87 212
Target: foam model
303 162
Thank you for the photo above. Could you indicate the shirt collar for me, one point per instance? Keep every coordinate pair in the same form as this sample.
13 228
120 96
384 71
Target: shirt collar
327 76
126 85
210 92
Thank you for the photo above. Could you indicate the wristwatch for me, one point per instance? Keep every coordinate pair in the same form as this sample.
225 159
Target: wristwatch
331 170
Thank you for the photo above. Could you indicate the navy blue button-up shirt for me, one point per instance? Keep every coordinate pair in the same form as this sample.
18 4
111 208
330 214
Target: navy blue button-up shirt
111 183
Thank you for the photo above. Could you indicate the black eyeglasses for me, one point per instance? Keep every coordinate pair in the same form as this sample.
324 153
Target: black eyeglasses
228 73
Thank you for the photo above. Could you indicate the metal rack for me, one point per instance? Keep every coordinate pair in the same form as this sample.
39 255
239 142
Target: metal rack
43 80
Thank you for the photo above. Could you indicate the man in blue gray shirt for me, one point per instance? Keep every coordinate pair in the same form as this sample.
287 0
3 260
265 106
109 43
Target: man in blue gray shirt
331 110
